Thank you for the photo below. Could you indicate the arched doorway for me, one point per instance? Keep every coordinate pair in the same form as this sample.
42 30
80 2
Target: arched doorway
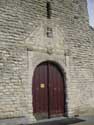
48 91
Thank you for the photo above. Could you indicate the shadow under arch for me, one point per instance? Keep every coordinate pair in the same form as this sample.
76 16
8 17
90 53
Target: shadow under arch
63 74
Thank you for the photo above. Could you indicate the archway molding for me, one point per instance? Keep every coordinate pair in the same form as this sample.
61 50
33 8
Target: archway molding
34 59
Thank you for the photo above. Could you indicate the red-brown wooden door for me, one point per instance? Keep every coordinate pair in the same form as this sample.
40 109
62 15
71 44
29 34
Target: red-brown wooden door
48 91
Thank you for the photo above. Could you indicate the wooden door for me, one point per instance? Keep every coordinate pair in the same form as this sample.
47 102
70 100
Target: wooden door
40 91
48 91
56 91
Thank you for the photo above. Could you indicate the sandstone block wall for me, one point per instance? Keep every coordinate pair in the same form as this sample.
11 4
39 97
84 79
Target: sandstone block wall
24 44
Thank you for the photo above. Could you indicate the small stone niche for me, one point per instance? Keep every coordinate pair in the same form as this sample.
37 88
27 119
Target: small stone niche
49 32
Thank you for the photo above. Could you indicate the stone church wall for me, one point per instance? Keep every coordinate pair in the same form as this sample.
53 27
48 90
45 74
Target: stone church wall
24 44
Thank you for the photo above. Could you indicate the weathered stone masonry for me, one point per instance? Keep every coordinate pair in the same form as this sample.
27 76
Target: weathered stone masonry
24 44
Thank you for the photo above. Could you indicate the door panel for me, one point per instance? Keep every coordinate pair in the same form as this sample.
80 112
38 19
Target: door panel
40 91
56 91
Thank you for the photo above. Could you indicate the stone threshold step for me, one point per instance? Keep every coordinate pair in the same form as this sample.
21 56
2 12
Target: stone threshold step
63 120
25 121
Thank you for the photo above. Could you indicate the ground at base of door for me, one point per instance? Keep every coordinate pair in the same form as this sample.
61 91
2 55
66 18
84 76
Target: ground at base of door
84 120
